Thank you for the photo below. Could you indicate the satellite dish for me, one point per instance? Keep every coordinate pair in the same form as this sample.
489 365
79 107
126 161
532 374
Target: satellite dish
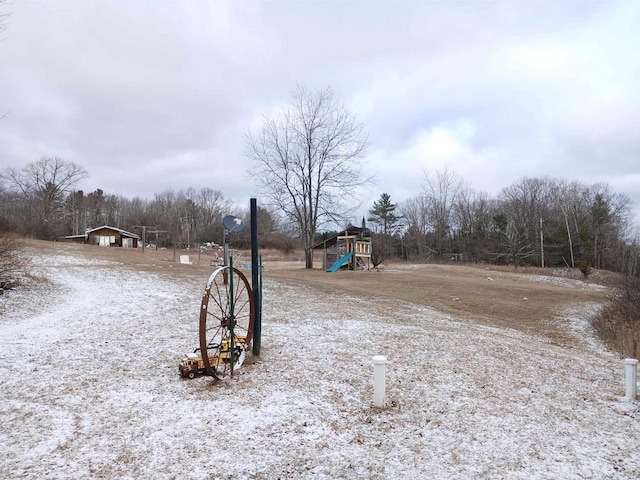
231 223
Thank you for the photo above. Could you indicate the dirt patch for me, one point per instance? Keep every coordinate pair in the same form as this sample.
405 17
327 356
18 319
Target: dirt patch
534 301
529 302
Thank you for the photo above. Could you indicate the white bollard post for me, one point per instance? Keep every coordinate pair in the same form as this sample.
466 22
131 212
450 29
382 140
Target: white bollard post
631 370
379 368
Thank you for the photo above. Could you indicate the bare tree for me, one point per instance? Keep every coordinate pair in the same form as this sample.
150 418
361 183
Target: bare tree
43 184
163 212
135 213
608 215
308 161
75 217
524 203
212 206
472 214
4 18
566 197
4 23
414 212
441 192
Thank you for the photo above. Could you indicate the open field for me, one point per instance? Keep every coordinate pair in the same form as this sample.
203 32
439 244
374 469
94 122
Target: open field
530 302
494 374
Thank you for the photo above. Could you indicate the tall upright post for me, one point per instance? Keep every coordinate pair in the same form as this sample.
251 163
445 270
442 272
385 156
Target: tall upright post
255 284
260 282
232 319
225 247
379 381
541 245
631 375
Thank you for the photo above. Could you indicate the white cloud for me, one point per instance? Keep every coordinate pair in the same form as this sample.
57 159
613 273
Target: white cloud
540 58
495 91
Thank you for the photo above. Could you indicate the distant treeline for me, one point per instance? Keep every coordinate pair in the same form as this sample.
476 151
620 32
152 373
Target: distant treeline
41 201
187 217
532 221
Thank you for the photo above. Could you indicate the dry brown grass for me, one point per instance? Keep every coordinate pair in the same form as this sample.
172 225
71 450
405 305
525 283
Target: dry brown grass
619 321
11 261
532 300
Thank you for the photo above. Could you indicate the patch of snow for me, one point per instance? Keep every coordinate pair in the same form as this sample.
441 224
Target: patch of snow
47 261
565 282
578 320
89 388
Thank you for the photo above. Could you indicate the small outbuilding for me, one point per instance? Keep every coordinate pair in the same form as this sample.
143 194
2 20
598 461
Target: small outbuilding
106 236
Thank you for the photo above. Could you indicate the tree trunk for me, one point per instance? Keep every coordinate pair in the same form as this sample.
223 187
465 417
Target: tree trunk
308 257
566 221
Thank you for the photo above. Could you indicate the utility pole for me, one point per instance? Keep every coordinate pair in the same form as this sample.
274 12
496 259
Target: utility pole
541 244
157 232
144 234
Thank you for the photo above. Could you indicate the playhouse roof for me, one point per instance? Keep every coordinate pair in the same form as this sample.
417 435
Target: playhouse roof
329 242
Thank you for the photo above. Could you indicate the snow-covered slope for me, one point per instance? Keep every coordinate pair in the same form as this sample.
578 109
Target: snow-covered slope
89 388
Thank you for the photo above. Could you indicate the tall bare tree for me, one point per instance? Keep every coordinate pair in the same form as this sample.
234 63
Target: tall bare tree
43 184
524 203
4 18
472 214
608 214
308 161
212 206
566 196
4 22
441 191
415 214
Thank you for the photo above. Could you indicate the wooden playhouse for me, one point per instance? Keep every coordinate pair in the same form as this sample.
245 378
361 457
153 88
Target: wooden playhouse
349 249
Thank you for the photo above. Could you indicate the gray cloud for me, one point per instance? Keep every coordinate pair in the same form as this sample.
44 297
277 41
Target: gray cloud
155 95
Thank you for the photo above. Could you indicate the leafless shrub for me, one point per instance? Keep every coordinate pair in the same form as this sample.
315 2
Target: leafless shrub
619 322
11 263
381 248
586 268
280 242
379 256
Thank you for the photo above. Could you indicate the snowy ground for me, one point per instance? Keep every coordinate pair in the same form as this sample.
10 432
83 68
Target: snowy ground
89 388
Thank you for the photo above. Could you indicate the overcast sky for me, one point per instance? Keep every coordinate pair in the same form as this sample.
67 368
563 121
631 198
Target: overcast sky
152 95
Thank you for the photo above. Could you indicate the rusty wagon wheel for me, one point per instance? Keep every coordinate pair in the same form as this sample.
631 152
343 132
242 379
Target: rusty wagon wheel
215 322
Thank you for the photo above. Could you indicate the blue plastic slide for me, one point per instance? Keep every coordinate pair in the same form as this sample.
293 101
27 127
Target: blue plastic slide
345 258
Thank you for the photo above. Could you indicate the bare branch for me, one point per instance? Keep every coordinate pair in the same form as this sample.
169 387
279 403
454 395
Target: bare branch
308 161
43 185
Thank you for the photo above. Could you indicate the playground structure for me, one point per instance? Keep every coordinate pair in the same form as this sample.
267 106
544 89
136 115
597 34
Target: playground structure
351 249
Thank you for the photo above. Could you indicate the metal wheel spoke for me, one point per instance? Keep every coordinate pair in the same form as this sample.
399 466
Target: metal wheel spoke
214 334
218 298
238 295
240 308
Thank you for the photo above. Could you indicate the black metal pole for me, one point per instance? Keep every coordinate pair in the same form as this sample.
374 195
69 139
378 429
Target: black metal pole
255 284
